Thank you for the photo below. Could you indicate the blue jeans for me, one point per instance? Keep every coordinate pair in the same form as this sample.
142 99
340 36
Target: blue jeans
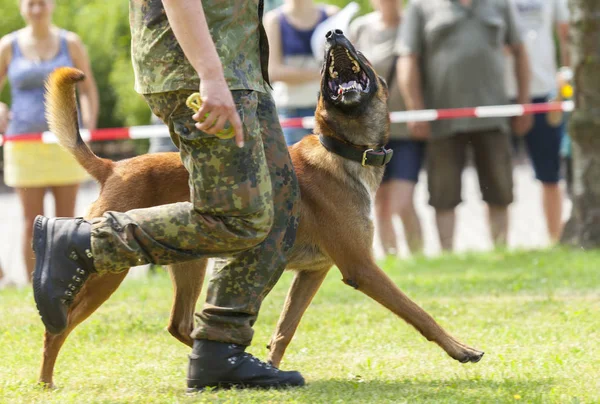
544 146
407 160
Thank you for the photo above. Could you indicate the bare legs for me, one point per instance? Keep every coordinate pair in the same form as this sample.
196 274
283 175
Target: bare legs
445 220
395 197
498 219
32 204
552 201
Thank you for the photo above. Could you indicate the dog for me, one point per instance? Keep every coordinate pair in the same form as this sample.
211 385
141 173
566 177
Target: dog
339 169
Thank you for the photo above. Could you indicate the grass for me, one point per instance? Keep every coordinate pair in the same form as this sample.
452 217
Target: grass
535 314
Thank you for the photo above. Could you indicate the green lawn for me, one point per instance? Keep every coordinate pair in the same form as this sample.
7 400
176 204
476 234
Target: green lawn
535 314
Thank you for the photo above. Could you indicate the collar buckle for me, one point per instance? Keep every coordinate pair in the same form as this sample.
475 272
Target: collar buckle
364 157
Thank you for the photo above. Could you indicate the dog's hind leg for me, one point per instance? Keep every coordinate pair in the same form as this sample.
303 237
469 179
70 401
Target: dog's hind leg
187 279
303 289
95 292
360 271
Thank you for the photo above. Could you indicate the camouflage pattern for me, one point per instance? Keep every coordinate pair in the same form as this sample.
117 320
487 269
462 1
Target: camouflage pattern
241 200
238 286
231 206
160 64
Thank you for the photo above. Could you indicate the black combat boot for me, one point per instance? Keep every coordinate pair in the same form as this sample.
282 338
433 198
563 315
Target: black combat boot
63 261
219 364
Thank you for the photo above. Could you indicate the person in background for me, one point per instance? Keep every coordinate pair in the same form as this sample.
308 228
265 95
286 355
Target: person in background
375 35
452 56
541 21
27 57
293 69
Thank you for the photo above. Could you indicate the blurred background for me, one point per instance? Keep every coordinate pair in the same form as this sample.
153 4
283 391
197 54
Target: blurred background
104 29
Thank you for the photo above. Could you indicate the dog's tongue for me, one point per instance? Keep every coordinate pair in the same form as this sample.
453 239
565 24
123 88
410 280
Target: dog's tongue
346 86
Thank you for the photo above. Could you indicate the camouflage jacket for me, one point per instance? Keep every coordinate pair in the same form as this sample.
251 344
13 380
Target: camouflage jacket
160 64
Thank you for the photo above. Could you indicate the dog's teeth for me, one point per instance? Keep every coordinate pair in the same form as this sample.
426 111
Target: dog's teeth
331 71
349 85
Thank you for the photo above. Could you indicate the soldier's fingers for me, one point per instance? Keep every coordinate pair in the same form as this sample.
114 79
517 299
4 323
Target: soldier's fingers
236 123
207 122
204 109
219 124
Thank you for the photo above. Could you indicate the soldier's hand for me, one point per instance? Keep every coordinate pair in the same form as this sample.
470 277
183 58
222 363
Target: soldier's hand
419 130
521 125
217 109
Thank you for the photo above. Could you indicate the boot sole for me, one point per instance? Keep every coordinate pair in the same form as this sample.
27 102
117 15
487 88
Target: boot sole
237 385
40 246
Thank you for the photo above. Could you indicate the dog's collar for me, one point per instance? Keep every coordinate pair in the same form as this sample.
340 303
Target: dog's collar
366 157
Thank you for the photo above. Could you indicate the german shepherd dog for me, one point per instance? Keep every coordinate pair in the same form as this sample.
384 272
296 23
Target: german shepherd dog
339 169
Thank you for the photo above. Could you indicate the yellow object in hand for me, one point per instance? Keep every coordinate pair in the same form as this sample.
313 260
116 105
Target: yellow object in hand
566 91
194 102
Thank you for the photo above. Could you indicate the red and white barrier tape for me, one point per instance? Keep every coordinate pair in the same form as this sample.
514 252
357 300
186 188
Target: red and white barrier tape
426 115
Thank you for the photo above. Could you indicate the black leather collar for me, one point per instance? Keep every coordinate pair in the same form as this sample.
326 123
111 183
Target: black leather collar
366 157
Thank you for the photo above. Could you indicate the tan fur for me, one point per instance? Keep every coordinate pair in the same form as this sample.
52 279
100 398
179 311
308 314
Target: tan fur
335 225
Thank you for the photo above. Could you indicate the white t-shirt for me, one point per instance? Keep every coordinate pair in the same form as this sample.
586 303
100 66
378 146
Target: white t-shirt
538 19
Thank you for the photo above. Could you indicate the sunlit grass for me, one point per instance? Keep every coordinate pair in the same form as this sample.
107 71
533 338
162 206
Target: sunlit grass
535 314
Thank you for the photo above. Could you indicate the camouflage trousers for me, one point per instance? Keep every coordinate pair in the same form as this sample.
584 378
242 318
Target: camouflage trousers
244 206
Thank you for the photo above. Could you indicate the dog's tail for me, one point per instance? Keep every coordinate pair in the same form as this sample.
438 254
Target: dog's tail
61 113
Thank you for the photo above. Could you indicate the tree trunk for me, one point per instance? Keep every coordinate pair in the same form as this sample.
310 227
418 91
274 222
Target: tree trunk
583 229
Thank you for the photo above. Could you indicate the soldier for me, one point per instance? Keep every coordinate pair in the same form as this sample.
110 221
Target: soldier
244 191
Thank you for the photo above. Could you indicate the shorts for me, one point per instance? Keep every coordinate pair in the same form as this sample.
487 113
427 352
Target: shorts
35 164
407 160
446 158
294 135
543 147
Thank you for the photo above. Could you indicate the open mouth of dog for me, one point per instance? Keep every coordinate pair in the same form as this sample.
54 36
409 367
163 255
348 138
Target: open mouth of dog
346 79
344 74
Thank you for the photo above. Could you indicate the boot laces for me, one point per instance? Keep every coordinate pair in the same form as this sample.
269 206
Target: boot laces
254 359
245 355
76 281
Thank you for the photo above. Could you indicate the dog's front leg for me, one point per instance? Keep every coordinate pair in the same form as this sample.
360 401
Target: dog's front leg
361 272
95 292
303 289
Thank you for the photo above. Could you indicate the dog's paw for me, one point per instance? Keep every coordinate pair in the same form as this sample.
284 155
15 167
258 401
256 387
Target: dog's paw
471 355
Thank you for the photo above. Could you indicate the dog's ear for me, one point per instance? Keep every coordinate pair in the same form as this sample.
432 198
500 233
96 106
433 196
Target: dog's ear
384 85
383 82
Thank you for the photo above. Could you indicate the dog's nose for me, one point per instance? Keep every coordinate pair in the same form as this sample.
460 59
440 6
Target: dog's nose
334 33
